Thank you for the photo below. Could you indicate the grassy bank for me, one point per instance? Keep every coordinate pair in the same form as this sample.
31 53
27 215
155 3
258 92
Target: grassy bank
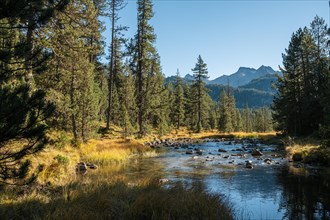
61 193
60 157
185 133
307 150
116 200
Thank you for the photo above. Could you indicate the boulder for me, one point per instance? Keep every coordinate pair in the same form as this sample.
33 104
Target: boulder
222 150
81 168
161 181
297 157
267 160
256 153
249 165
91 166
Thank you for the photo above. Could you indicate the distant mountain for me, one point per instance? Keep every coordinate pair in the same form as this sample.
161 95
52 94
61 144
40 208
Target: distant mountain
253 98
251 87
264 83
188 78
243 76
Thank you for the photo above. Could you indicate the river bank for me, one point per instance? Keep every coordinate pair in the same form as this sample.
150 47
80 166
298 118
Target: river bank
123 186
60 192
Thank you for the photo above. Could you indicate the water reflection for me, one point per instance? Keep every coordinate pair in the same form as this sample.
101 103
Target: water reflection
306 193
277 191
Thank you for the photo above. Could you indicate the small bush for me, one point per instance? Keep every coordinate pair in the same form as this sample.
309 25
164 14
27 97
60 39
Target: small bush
58 139
61 159
319 156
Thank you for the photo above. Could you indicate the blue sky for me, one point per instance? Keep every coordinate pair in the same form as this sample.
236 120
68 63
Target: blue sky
227 34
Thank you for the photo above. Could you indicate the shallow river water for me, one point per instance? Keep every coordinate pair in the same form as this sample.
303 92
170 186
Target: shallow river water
270 190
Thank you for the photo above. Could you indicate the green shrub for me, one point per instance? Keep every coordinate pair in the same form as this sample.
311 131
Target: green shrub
62 159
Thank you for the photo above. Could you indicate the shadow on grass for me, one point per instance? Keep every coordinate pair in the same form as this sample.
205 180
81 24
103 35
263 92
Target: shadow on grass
119 201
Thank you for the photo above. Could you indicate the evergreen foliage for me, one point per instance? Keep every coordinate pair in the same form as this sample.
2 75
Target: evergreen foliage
74 39
227 120
200 94
178 104
51 75
115 67
300 107
23 108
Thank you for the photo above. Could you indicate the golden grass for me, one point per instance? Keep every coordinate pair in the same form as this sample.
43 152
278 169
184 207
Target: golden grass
185 133
309 149
108 151
302 146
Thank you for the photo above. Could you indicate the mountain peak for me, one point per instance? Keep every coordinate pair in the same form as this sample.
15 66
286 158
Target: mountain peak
266 69
245 69
188 77
243 76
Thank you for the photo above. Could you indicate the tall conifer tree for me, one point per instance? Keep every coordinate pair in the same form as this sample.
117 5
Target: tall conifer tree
200 74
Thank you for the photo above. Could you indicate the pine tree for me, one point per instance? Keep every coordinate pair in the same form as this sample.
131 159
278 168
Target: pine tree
23 108
321 35
70 80
227 120
115 6
179 102
158 101
238 119
297 106
145 64
200 73
127 111
213 115
247 119
287 104
190 107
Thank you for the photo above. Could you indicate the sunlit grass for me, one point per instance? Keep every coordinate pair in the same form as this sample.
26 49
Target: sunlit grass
117 200
185 133
309 149
108 151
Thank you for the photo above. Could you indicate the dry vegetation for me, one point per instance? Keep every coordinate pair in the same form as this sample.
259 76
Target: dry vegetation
60 193
308 150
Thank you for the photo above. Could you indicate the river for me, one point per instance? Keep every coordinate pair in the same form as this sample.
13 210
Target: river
273 189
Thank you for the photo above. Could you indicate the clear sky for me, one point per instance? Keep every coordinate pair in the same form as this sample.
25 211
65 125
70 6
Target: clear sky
227 34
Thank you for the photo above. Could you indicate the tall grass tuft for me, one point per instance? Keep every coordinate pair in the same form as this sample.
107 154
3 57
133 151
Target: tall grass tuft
120 201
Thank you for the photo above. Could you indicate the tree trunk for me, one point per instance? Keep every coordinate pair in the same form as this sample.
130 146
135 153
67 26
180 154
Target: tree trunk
73 117
110 81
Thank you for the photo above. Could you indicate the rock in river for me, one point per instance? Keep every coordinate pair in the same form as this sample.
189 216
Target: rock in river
249 165
256 153
161 181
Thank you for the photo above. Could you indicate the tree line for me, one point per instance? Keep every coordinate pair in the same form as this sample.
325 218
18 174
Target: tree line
52 77
302 104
